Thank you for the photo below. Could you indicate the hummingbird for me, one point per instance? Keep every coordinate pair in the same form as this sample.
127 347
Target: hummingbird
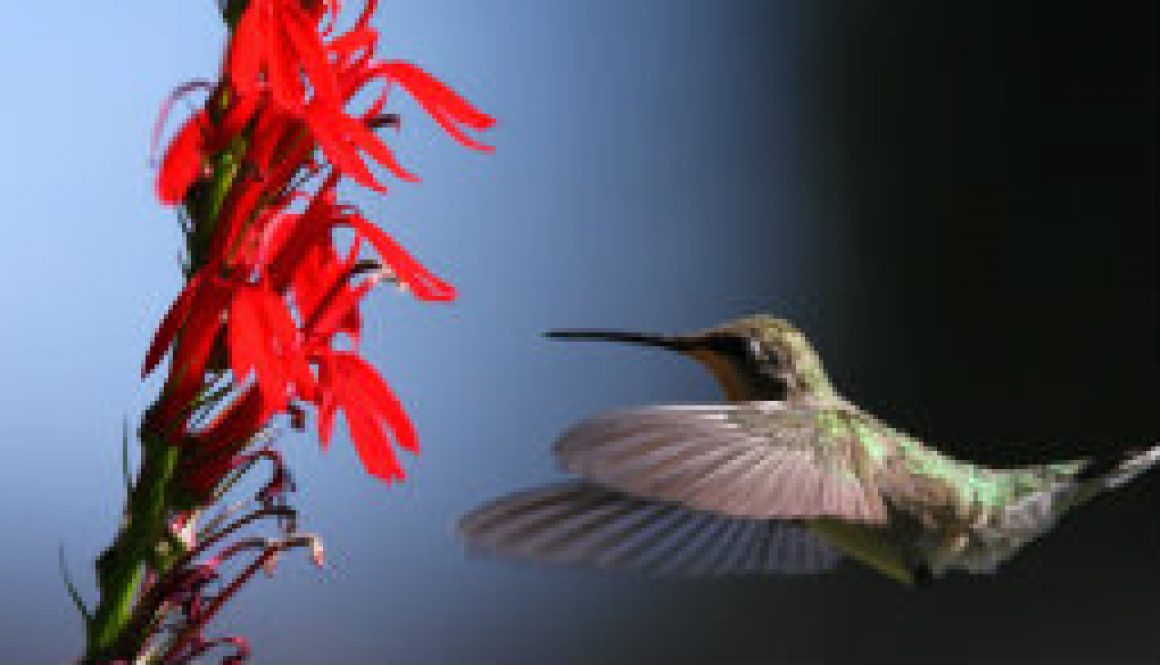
785 476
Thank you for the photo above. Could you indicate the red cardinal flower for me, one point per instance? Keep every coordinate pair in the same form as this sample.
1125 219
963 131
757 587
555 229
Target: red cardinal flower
289 258
268 323
271 290
279 60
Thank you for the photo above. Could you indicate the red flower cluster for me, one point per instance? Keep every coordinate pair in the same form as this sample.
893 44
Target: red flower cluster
272 299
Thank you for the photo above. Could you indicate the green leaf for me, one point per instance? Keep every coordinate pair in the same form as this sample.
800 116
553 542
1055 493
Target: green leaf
126 475
73 592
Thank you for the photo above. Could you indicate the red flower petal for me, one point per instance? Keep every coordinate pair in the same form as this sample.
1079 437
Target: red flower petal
248 351
303 38
191 354
171 324
238 210
287 243
284 342
283 68
366 140
337 310
373 391
444 105
356 42
328 128
327 404
244 58
422 282
279 38
371 411
364 18
374 449
183 162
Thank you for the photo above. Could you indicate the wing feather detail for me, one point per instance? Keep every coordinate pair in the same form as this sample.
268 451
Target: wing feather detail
579 522
757 460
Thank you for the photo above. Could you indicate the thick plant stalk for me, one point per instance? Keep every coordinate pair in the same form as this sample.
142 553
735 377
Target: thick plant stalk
139 542
143 540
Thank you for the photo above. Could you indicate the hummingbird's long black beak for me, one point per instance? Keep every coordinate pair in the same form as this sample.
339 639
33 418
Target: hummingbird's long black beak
671 342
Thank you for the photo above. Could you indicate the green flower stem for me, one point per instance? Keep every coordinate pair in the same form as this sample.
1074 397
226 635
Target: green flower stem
205 205
141 541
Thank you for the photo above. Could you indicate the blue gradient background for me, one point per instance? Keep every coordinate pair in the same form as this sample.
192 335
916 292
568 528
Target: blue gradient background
957 202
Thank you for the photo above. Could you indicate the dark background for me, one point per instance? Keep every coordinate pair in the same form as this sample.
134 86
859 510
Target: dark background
994 165
955 200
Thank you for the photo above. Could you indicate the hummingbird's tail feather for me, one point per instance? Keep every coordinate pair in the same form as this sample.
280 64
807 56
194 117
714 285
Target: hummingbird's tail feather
583 523
1130 467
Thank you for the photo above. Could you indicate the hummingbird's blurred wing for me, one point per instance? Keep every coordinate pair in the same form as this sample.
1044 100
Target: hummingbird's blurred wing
758 460
582 523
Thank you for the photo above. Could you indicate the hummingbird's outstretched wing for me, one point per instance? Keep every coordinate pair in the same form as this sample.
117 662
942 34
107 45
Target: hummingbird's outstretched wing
579 522
762 460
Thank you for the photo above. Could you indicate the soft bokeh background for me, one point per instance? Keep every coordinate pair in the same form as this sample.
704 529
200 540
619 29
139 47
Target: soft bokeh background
955 199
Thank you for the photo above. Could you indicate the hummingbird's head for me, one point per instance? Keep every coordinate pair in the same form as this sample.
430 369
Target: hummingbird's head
757 357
